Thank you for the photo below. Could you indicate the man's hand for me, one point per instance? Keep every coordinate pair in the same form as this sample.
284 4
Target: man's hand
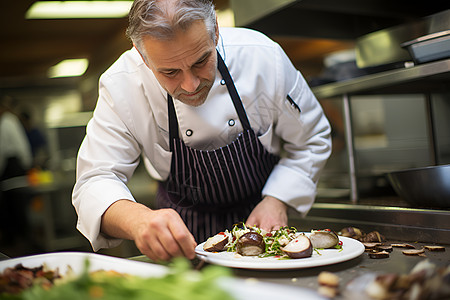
270 214
159 234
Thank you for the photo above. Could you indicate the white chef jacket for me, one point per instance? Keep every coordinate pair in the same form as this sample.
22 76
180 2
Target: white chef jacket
130 121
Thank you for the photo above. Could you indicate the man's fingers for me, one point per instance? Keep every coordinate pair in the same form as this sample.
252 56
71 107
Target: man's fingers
185 240
153 248
166 236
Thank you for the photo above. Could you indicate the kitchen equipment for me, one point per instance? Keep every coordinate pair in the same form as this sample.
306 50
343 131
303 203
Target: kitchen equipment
385 47
430 47
423 187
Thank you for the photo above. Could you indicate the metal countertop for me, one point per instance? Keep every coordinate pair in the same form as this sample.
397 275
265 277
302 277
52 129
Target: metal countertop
349 270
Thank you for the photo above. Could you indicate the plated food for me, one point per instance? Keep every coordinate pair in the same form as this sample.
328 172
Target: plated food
274 258
283 243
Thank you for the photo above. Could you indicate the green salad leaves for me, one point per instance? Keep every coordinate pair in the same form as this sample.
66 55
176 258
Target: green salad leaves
181 283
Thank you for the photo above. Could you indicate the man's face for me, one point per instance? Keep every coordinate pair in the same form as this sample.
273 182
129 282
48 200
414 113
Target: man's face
185 66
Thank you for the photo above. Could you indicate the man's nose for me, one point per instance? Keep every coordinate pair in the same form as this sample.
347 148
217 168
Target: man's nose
190 81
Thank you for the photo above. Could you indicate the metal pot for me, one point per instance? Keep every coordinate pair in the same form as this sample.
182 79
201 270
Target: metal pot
423 187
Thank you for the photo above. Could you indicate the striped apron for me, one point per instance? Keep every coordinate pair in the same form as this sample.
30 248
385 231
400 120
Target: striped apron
214 189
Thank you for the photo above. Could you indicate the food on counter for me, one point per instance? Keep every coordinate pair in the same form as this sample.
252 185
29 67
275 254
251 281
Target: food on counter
387 248
402 245
373 236
328 284
379 254
180 283
371 246
379 250
434 248
251 244
425 281
413 251
299 247
253 241
358 234
324 239
352 232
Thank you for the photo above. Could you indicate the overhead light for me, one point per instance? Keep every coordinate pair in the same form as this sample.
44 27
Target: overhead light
69 68
78 9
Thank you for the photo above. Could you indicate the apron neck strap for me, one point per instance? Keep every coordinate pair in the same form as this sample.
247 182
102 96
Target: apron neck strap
233 93
173 122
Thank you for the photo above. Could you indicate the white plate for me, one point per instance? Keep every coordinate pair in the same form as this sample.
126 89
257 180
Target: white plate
351 248
241 289
74 261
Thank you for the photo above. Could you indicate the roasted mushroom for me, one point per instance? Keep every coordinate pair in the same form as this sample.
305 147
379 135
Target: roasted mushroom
300 247
323 239
216 243
352 232
373 236
250 244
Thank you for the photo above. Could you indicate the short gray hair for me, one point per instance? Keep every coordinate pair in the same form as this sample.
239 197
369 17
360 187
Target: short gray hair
161 19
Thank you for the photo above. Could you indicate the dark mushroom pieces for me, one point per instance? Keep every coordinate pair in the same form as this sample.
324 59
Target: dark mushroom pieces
300 247
250 244
216 243
323 239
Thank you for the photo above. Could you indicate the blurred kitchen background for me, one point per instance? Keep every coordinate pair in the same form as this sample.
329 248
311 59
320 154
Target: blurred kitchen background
389 106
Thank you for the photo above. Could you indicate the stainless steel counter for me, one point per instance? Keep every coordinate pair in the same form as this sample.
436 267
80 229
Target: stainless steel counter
398 224
348 271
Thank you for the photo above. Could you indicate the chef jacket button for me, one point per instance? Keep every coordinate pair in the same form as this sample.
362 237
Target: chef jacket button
189 132
231 122
222 82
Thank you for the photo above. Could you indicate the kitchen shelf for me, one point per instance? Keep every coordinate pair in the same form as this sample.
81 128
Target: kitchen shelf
331 19
432 76
425 79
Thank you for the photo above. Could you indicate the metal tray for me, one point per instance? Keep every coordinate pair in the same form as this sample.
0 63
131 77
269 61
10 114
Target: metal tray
430 47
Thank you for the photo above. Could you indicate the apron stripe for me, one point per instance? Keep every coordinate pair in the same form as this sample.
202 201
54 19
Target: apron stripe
233 180
245 175
209 181
205 187
223 178
216 178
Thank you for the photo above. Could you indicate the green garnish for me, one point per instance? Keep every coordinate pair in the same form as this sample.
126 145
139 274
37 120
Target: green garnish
181 283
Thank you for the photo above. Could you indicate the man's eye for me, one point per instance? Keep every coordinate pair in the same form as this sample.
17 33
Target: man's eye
201 63
170 73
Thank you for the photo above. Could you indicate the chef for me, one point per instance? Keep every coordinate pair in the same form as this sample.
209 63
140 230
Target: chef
220 117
